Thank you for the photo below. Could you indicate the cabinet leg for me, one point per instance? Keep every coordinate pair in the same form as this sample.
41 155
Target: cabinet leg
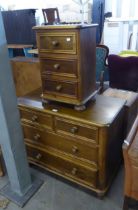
126 204
79 107
45 102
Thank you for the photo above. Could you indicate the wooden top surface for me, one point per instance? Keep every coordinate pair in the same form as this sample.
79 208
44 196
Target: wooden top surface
101 111
129 96
64 26
19 46
24 59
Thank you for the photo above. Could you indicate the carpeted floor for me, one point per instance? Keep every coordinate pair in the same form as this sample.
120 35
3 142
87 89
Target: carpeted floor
57 194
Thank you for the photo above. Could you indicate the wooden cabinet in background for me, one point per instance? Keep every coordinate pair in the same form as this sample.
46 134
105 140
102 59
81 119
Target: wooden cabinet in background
84 147
67 57
26 74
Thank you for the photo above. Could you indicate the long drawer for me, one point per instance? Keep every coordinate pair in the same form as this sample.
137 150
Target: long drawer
65 167
59 67
57 42
62 88
37 118
68 145
76 129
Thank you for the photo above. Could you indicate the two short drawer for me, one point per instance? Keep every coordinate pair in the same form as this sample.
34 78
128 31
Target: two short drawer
64 144
65 167
61 126
77 130
37 118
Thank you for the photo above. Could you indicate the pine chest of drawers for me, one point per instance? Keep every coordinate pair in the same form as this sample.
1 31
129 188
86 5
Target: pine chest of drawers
67 57
84 147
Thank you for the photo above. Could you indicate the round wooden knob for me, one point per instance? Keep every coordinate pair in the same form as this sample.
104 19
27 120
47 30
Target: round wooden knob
74 130
58 87
55 43
36 137
74 149
56 66
74 171
34 118
38 156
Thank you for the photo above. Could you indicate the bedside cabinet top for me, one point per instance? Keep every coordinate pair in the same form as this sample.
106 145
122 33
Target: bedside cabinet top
64 26
100 112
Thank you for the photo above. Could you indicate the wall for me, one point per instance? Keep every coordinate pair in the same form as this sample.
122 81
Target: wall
121 34
69 10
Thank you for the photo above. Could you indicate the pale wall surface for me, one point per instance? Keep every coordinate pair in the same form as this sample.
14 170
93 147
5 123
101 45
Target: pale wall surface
68 9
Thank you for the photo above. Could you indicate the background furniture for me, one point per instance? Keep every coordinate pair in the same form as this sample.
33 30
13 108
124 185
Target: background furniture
127 53
67 57
130 153
84 147
25 49
123 72
26 74
102 71
18 29
18 26
131 106
51 16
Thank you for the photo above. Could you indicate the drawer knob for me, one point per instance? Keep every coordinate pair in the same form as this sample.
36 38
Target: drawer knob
58 87
34 118
56 66
36 137
74 171
74 149
55 43
38 156
74 130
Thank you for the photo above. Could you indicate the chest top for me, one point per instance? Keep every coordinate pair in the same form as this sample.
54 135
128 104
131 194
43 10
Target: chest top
101 111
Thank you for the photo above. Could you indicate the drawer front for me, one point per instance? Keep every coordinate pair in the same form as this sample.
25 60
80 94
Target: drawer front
57 43
64 144
65 167
37 118
59 67
60 88
77 130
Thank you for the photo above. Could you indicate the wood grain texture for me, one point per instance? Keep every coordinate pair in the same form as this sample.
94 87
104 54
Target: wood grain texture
26 74
130 154
68 56
76 145
131 105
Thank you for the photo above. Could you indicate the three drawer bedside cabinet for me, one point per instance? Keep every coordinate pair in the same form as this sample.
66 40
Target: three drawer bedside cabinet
67 58
83 147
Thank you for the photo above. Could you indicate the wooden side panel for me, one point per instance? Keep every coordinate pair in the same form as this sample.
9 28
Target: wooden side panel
110 151
26 74
87 61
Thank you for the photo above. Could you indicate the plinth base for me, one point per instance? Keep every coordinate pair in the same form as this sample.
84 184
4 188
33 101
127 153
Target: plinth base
7 192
